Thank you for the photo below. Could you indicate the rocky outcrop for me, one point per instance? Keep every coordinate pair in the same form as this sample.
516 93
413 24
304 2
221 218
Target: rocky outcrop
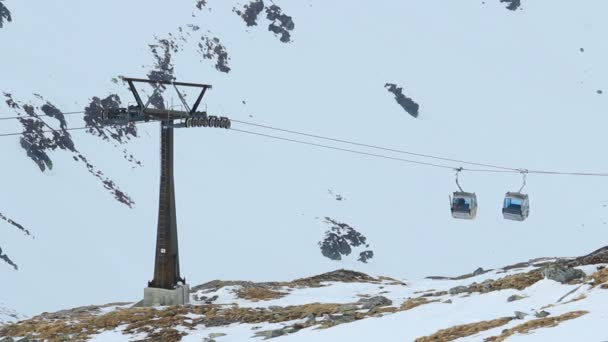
340 239
5 15
562 274
39 138
409 105
512 5
211 48
8 260
5 257
250 12
280 23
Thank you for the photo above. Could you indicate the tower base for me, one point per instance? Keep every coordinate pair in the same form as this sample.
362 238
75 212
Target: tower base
163 297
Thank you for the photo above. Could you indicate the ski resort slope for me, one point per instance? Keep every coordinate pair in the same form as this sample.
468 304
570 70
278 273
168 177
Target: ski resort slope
495 86
514 304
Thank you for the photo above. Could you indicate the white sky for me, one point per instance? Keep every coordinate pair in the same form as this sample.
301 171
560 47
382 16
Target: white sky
494 86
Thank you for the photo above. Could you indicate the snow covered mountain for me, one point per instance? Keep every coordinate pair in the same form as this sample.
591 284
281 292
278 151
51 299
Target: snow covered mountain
513 83
544 299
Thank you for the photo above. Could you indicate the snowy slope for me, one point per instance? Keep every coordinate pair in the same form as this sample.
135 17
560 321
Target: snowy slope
351 306
493 85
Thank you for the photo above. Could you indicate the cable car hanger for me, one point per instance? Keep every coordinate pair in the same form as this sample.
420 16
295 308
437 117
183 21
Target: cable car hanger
524 173
458 170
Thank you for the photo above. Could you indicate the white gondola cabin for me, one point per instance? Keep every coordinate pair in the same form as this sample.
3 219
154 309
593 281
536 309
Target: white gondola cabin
464 205
516 206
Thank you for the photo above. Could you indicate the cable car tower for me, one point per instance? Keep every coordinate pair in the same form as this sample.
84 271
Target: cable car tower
167 287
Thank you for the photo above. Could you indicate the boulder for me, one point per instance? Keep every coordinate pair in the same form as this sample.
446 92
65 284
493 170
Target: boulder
374 302
562 274
520 315
479 271
514 298
458 290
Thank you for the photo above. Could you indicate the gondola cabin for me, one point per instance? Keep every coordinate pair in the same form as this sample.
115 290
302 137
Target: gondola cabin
516 206
464 205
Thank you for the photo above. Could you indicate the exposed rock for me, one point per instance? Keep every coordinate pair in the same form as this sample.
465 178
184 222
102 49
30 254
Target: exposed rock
340 240
447 301
213 49
5 14
93 116
478 271
200 4
409 105
337 196
373 302
211 300
267 334
163 70
8 260
365 255
15 224
541 314
562 274
38 144
458 290
512 5
520 315
514 298
280 23
250 12
333 320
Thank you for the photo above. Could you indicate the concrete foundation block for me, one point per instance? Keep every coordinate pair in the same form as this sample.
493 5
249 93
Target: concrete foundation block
163 297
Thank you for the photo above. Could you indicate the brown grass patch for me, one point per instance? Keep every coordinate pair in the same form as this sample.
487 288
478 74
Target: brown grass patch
464 330
414 302
137 320
518 281
256 294
526 327
599 277
160 324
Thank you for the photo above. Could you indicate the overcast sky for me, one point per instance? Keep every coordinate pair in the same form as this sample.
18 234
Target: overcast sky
494 86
